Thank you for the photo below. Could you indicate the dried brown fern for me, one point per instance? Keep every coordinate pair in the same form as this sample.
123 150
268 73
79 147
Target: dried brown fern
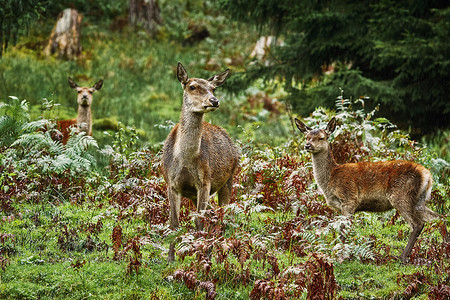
135 257
316 276
4 261
190 280
116 238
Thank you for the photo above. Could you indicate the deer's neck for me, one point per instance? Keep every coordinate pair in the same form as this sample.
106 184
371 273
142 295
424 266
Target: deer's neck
189 134
84 118
323 164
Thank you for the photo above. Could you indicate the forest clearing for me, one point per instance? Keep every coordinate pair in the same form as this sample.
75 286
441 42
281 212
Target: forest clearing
87 216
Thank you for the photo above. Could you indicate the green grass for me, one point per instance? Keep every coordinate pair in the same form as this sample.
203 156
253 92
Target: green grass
370 281
140 89
95 280
40 269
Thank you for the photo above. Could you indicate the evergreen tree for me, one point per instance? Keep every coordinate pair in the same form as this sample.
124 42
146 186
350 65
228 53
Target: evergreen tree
395 52
15 17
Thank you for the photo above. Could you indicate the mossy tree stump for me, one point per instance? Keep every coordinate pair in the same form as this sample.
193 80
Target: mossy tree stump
65 38
145 13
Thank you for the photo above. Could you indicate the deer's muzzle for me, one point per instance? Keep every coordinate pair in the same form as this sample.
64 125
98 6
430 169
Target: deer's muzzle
308 147
214 102
84 101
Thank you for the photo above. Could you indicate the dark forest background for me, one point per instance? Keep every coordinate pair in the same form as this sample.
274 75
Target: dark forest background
90 219
392 53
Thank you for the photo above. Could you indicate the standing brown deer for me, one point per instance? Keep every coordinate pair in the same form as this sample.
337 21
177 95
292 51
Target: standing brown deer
198 158
371 186
83 122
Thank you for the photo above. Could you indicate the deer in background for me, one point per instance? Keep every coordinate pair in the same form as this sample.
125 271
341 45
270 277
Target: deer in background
198 158
83 122
371 186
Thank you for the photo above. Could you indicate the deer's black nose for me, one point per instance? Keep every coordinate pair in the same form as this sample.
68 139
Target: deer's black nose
308 146
214 102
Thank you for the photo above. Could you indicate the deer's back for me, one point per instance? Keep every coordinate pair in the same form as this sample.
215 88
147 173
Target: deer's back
64 127
382 185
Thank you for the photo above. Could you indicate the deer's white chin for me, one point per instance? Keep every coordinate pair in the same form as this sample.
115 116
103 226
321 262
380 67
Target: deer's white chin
210 108
312 150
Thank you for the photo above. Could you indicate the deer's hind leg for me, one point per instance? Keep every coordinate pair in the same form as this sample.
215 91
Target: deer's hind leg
416 222
224 193
416 230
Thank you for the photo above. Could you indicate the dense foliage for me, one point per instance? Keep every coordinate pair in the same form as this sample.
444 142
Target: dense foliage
397 52
68 227
15 18
89 219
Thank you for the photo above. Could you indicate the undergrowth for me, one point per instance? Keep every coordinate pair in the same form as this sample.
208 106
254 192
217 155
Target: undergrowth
70 230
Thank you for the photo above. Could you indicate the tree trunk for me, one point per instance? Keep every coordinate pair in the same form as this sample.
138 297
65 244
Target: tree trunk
145 13
65 39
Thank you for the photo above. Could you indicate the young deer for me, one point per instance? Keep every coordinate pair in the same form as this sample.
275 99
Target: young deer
198 158
368 186
83 122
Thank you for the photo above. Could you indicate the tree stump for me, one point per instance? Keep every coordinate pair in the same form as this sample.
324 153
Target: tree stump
145 13
65 39
261 50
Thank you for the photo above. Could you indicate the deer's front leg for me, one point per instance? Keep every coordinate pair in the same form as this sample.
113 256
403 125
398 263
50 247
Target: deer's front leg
175 203
202 201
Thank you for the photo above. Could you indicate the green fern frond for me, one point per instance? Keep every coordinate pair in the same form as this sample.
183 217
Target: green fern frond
8 130
262 241
78 143
364 251
55 147
13 120
260 208
310 237
108 151
234 208
35 140
56 165
80 164
35 125
52 156
17 109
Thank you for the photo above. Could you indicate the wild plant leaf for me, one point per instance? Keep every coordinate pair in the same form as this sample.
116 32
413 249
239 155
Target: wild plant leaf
35 125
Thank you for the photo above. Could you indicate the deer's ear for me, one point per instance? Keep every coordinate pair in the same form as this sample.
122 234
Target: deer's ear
220 78
182 74
98 85
72 83
331 126
302 127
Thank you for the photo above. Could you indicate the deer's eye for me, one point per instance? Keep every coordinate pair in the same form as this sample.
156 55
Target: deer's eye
191 87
